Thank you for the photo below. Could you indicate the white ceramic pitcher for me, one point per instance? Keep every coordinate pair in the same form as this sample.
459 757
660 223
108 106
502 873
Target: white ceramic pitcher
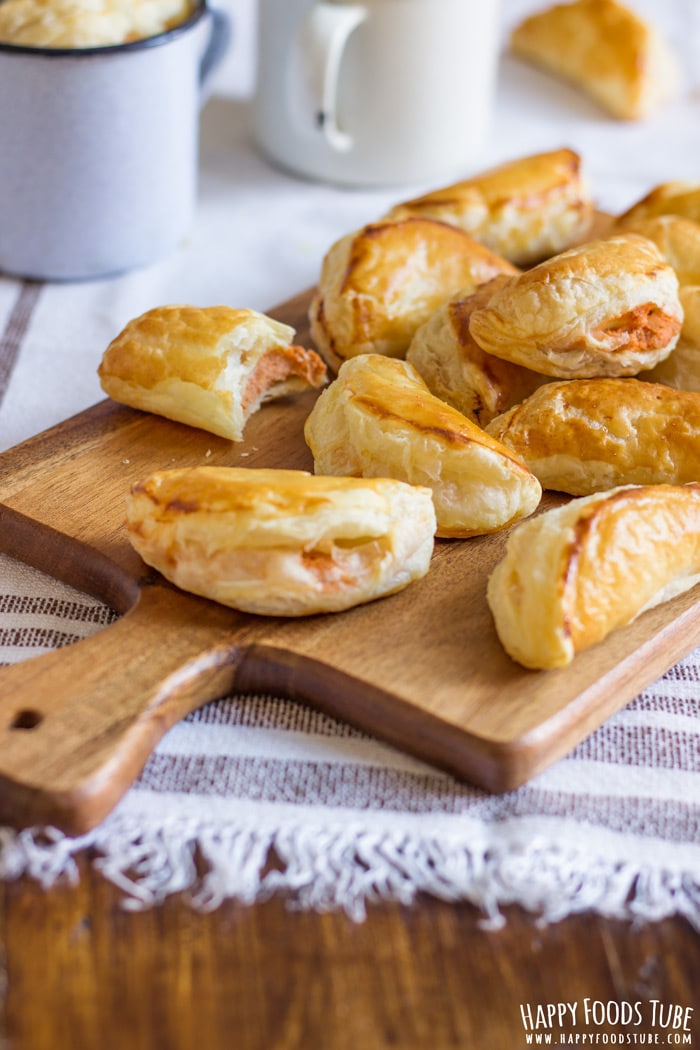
375 92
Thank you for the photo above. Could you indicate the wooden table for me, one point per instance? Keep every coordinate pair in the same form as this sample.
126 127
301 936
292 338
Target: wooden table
78 972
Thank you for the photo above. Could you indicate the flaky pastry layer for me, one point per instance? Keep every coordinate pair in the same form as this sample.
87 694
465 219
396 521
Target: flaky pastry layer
525 209
281 542
681 369
587 435
378 284
572 575
606 308
379 419
210 367
458 371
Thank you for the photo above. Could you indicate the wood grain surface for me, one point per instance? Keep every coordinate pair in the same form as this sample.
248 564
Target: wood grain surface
422 669
79 972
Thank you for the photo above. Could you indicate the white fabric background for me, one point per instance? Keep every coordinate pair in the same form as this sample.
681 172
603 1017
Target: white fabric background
615 826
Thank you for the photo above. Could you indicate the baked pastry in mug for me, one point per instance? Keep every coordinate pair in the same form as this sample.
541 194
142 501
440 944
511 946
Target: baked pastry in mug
524 209
281 542
607 308
379 419
458 371
586 435
603 47
88 23
210 367
380 283
572 575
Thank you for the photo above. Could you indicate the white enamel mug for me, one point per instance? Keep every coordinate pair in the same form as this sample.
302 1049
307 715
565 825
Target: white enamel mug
378 91
99 150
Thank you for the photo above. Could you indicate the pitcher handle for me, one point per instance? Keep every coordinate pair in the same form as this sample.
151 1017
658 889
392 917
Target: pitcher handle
324 34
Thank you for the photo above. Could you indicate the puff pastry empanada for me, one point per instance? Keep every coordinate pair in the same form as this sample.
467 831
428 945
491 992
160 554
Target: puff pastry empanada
573 575
458 371
210 367
677 239
607 308
587 435
525 209
680 197
681 369
378 419
87 23
378 284
619 59
281 542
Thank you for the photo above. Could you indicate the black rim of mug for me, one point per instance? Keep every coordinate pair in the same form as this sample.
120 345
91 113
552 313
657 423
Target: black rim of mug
110 49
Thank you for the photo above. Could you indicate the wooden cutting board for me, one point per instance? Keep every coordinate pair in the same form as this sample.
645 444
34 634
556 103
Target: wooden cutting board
422 669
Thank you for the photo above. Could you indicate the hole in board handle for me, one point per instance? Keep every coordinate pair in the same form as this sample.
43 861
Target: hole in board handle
27 719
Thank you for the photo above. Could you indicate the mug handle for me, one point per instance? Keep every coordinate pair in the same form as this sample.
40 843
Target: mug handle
217 46
324 33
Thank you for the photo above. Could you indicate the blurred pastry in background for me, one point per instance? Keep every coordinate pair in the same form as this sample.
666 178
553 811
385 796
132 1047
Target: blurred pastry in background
458 371
677 239
603 47
525 209
378 419
380 283
678 197
607 308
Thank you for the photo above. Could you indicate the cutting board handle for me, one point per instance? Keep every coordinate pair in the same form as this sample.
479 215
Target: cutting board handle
77 724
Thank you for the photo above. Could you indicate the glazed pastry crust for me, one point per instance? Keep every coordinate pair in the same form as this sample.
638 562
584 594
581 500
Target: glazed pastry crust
587 435
281 542
378 419
681 369
380 283
573 575
458 371
604 48
607 308
680 197
87 23
525 209
677 239
210 367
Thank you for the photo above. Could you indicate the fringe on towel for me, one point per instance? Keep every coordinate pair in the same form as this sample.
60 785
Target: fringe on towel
346 869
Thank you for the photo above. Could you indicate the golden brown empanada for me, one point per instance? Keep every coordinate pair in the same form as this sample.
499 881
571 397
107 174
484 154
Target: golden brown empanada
677 239
587 435
604 48
378 419
681 369
281 542
380 283
680 197
607 308
572 575
87 23
525 209
458 371
210 367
